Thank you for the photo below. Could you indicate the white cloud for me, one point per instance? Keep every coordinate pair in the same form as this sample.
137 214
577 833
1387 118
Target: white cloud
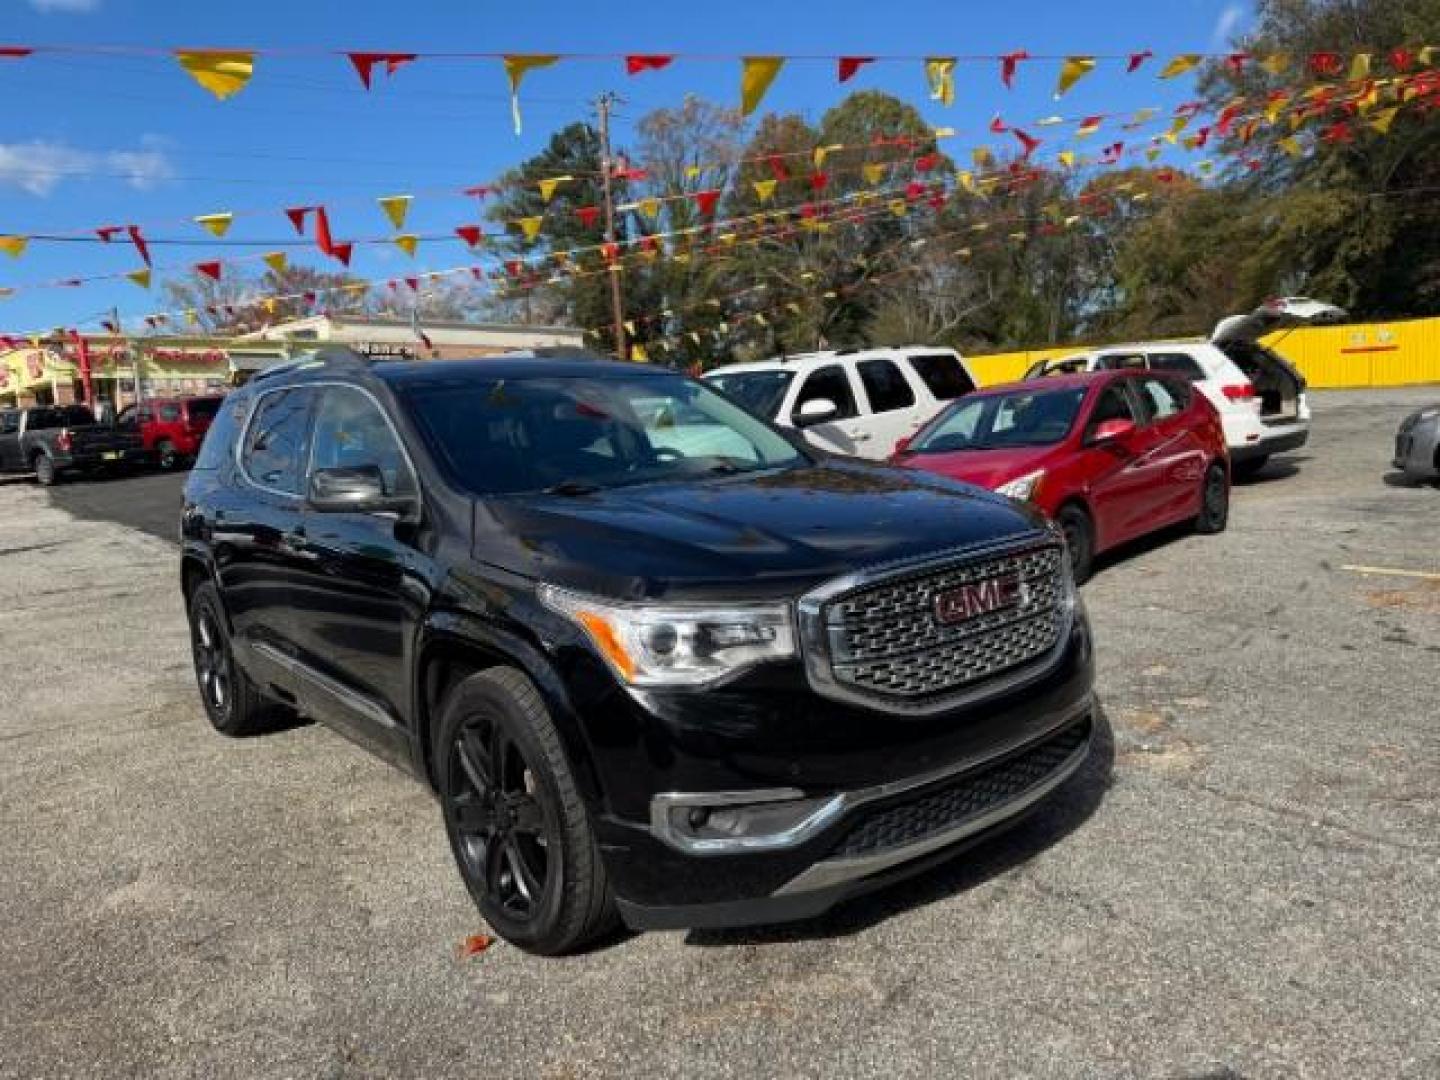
70 6
1226 25
38 167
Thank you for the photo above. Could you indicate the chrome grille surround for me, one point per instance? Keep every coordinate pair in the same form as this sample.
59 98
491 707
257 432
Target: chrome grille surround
872 638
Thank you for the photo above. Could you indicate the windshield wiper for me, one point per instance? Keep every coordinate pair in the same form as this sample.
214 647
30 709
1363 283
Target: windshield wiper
571 487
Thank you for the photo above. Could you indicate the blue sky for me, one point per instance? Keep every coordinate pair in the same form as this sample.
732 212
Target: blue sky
89 141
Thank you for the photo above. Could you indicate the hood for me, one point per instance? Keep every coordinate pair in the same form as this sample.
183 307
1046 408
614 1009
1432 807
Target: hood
985 468
1277 315
767 535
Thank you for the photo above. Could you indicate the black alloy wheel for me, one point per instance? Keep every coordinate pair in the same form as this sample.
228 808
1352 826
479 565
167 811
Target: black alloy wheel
45 474
517 824
1214 500
213 668
504 838
1074 522
232 702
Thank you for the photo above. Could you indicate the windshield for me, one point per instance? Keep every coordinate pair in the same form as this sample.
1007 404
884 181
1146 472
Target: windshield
996 421
503 436
759 391
204 407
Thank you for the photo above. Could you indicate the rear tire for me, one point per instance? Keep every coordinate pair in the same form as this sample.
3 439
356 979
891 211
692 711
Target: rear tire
1214 501
233 704
517 825
46 474
167 457
1079 540
1250 467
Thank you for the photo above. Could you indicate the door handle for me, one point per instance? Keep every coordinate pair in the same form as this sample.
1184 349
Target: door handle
862 438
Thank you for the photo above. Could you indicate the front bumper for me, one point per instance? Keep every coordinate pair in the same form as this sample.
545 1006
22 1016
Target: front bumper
1278 443
912 790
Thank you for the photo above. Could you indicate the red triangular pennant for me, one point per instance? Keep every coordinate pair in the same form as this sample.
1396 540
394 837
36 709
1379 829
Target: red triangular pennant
1008 63
819 181
414 283
209 269
342 252
471 234
777 167
997 125
639 62
296 214
365 63
1027 141
323 239
139 242
706 201
1136 59
107 232
926 162
1326 63
849 65
14 52
588 215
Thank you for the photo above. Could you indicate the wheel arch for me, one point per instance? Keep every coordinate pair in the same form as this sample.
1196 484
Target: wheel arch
1081 501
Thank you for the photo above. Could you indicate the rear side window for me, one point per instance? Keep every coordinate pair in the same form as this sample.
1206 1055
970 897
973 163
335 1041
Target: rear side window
1163 398
1117 361
221 436
274 452
9 423
885 386
1181 364
828 384
944 375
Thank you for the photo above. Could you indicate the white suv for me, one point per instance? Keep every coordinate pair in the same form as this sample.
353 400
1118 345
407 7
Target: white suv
852 401
1259 395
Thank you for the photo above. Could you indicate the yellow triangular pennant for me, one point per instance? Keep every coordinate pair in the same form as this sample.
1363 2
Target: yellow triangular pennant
940 78
140 277
692 172
276 261
874 173
764 190
217 224
530 226
982 157
1360 67
1181 64
395 207
1067 158
515 69
650 207
222 73
1275 63
14 246
407 242
897 207
1072 71
756 75
1382 120
1290 145
550 185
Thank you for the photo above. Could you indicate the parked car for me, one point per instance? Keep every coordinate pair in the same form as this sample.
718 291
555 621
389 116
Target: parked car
854 401
54 441
694 689
171 428
1109 456
1417 444
1260 395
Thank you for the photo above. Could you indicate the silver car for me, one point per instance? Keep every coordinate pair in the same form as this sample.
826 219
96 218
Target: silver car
1417 444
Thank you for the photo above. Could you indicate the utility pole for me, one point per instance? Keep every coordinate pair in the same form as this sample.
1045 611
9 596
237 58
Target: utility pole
617 302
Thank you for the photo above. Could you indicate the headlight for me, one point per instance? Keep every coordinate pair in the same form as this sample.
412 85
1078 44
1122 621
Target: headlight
681 644
1022 487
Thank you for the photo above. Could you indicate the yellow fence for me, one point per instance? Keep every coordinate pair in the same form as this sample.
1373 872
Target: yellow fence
1356 355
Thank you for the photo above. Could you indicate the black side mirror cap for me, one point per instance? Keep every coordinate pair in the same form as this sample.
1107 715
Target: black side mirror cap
358 489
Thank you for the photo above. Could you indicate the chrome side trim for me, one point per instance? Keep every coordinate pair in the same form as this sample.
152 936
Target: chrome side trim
838 871
341 694
815 646
836 805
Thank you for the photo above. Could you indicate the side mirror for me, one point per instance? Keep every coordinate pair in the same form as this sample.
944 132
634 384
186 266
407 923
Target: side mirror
816 411
356 490
1110 430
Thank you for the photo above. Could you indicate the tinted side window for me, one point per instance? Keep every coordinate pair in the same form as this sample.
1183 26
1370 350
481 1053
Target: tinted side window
1162 397
885 386
830 384
1116 361
945 375
274 452
350 431
9 423
221 437
170 413
1114 404
1179 363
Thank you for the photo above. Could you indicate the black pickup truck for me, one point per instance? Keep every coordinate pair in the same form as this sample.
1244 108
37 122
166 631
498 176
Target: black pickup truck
52 440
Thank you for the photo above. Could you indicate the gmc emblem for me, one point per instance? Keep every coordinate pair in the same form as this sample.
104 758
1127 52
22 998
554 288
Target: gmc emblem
978 598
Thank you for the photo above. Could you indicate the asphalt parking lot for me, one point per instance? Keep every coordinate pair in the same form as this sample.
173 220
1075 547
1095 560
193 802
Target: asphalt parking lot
1243 884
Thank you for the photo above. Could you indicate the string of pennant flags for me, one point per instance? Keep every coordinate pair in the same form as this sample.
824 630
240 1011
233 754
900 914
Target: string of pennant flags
224 72
1355 100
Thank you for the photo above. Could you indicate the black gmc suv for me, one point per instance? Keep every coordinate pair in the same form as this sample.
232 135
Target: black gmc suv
656 658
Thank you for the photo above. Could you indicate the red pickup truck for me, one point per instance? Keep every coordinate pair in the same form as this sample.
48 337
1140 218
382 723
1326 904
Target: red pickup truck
172 428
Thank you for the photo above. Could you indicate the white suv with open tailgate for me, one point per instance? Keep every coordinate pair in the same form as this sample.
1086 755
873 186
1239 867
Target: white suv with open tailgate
1259 395
852 401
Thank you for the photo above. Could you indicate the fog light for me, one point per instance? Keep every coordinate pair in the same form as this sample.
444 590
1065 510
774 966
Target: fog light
731 821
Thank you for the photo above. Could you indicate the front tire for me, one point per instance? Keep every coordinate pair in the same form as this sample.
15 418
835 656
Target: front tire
1214 501
1079 533
46 475
232 702
517 825
167 456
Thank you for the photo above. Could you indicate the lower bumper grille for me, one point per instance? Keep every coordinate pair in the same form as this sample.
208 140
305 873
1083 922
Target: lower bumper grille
949 806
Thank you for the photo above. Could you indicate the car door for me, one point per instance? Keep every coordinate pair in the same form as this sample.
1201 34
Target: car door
1178 454
893 404
257 526
1123 469
848 431
359 599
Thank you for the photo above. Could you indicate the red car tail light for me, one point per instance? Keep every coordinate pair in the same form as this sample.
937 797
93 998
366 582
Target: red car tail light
1239 391
62 441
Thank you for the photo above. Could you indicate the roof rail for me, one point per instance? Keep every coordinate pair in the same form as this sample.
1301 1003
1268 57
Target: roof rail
328 354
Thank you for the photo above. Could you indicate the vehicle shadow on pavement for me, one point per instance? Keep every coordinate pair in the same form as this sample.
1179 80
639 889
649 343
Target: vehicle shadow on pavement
1055 818
1275 469
1396 479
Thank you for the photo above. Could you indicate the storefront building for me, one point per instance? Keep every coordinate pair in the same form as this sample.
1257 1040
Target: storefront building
398 339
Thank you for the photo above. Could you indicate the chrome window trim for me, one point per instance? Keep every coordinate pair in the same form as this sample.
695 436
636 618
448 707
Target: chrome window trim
815 650
240 443
395 433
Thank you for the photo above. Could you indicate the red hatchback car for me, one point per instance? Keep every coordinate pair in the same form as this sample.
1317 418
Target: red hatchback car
1109 456
172 428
